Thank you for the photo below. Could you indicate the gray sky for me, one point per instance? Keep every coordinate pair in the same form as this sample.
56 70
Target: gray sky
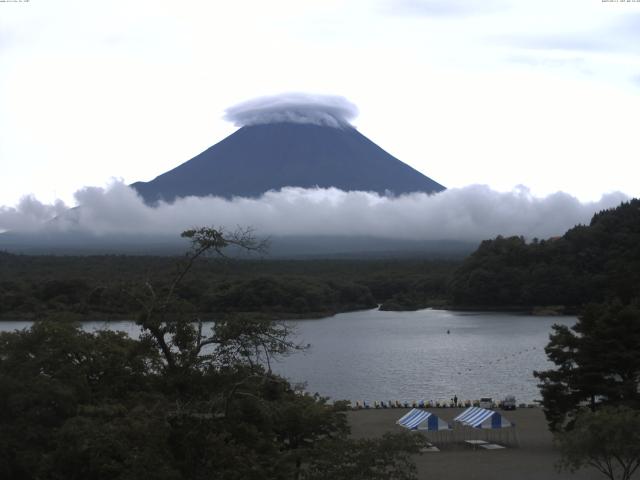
504 93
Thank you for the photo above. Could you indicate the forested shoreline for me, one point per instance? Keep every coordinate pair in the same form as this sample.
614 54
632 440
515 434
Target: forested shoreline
589 263
103 405
100 286
180 402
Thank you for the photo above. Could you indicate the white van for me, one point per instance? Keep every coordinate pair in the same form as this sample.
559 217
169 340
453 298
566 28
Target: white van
486 402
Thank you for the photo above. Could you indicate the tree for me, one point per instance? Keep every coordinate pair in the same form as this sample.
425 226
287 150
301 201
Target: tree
179 340
587 264
54 378
597 363
608 440
177 403
386 459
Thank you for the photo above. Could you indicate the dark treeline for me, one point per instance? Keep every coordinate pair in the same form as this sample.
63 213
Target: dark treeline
32 286
182 401
591 263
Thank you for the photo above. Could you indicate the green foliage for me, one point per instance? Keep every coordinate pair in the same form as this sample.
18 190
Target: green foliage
49 374
178 403
288 295
100 286
109 442
588 264
597 362
608 440
386 459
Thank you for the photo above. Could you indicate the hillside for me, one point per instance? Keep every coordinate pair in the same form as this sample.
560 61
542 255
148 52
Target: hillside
589 263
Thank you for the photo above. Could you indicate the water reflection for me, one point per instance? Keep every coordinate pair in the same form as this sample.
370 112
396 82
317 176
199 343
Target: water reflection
374 355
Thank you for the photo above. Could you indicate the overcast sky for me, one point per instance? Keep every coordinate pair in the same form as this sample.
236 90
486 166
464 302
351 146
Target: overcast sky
496 92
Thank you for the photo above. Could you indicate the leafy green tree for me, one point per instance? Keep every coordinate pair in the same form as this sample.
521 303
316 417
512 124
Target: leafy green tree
177 403
113 442
592 263
179 340
49 375
607 440
597 363
367 459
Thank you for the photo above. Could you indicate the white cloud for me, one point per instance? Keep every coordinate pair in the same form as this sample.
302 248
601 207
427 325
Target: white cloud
472 213
325 110
29 215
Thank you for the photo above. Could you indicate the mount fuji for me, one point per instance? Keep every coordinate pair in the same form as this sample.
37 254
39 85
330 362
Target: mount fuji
262 157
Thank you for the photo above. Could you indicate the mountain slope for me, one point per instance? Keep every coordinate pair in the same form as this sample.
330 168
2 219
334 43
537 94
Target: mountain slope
591 263
264 157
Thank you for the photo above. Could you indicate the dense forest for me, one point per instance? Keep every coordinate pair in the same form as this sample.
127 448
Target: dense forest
100 286
589 263
181 402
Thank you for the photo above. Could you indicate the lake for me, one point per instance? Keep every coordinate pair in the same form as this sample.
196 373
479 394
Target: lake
375 355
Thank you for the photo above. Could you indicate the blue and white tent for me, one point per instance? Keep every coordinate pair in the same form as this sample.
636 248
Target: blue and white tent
477 417
493 425
418 419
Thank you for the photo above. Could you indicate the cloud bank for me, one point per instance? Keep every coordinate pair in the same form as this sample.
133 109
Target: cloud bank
30 214
324 110
471 213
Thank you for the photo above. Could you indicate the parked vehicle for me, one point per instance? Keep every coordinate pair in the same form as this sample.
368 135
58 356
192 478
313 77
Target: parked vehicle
509 403
486 402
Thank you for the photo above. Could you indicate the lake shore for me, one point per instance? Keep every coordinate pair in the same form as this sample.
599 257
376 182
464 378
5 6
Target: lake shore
535 458
93 315
408 356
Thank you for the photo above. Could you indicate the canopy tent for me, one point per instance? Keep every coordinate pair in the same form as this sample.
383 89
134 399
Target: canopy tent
477 417
492 423
418 419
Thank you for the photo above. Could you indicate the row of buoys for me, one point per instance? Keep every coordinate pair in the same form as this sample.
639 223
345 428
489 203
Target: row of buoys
363 404
414 404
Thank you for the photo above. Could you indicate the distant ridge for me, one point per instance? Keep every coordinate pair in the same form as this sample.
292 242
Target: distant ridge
259 158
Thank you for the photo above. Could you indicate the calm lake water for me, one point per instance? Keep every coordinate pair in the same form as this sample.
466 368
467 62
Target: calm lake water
373 355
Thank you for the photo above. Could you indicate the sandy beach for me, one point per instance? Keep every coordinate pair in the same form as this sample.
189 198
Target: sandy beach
535 457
